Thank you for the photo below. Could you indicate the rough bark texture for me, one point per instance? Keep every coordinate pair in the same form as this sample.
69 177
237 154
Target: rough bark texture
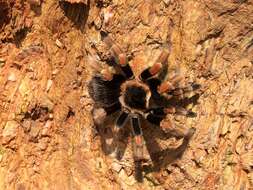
47 136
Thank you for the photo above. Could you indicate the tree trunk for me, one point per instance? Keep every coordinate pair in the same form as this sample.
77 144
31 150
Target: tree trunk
48 139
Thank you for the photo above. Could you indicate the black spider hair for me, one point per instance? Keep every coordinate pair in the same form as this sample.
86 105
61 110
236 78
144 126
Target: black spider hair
135 97
105 93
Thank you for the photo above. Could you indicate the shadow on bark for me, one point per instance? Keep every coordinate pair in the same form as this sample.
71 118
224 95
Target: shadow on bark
77 12
160 158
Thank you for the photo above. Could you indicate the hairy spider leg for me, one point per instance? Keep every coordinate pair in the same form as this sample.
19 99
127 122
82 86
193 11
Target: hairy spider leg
154 75
105 71
184 92
121 121
179 111
172 89
119 56
168 86
155 115
186 89
138 140
156 67
112 108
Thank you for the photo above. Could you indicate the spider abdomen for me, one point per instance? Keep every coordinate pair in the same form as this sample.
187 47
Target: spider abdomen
104 92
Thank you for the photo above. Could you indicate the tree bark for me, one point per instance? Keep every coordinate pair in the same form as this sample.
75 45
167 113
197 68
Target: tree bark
48 139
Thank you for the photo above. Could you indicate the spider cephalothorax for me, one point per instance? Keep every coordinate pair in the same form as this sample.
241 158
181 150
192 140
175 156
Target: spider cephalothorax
149 95
135 96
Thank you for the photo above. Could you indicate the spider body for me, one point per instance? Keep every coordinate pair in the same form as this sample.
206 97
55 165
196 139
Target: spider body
148 96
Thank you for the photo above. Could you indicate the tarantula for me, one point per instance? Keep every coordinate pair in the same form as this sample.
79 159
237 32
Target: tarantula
150 95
